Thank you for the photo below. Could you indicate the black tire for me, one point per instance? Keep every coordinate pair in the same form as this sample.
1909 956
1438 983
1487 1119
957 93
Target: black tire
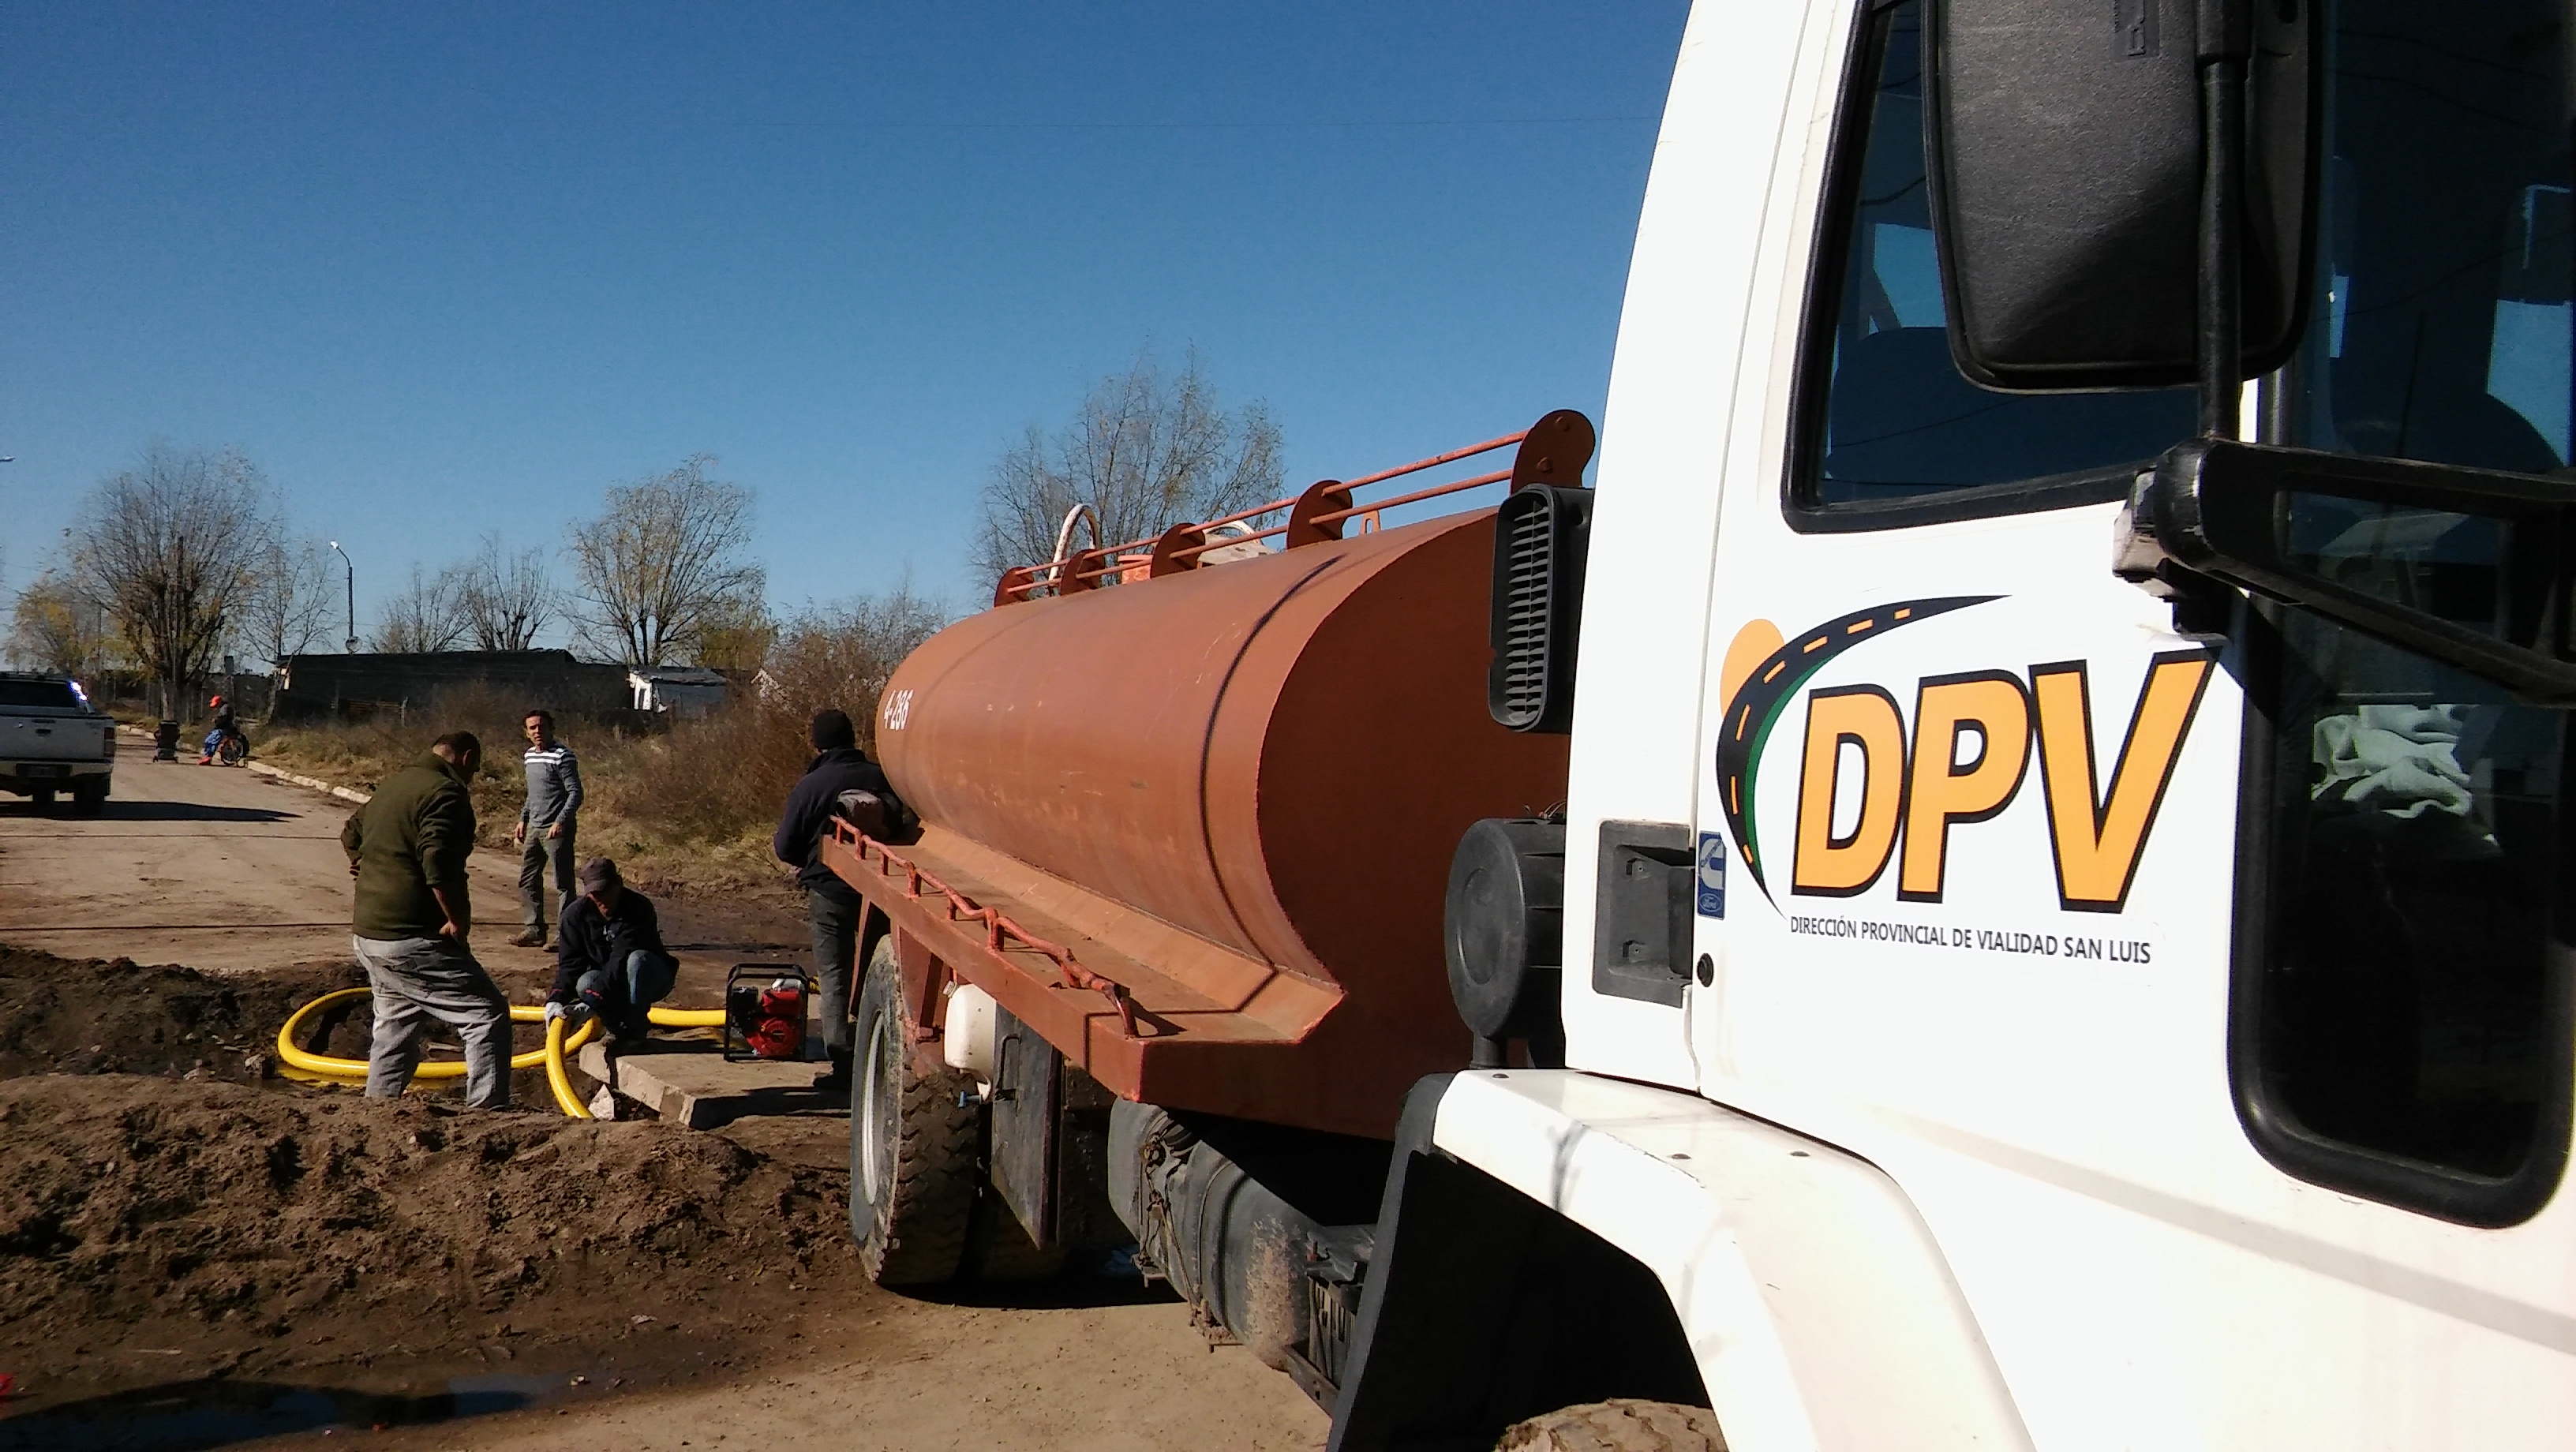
1623 1424
89 798
42 796
913 1170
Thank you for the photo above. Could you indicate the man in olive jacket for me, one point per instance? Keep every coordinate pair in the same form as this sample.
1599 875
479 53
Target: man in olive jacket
407 848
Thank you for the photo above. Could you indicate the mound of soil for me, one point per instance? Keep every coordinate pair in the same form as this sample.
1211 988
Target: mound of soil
171 1211
244 1230
92 1016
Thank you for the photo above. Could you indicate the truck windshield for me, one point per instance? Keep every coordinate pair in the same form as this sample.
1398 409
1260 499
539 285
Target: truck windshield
38 696
2440 323
2400 1031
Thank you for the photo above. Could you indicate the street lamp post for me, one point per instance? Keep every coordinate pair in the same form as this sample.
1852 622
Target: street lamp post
351 645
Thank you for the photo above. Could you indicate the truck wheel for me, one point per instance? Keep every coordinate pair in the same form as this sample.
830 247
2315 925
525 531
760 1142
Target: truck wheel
42 796
912 1146
1623 1424
90 797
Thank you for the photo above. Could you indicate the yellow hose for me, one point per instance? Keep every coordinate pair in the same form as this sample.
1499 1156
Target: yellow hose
556 1078
552 1056
337 1068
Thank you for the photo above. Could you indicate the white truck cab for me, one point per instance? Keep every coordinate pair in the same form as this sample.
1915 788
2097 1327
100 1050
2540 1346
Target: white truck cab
2010 1001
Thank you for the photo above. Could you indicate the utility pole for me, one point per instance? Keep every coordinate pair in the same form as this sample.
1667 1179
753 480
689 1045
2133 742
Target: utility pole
351 645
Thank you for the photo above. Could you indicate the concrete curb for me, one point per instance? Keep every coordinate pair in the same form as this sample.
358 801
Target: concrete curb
345 794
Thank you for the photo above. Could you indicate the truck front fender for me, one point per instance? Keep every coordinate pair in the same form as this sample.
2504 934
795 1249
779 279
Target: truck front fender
1801 1283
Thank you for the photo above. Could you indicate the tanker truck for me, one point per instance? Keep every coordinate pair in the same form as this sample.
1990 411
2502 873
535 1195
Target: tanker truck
1993 880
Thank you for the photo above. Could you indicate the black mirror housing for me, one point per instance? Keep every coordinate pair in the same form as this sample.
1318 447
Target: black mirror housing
2063 147
2469 567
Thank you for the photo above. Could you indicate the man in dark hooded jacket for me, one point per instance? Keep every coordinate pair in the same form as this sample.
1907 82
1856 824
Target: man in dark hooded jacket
838 766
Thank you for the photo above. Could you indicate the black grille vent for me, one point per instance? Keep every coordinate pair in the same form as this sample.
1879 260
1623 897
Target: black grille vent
1540 534
1520 658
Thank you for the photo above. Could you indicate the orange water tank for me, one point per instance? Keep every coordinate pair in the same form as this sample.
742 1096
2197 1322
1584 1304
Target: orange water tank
1236 791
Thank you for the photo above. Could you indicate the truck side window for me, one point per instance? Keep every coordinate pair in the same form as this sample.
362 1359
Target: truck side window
2402 1029
2395 1030
1884 414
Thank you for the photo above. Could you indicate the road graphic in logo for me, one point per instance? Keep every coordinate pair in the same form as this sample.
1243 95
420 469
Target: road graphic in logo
1771 682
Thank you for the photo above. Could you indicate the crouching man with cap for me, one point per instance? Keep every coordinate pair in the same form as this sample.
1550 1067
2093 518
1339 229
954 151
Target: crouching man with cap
609 957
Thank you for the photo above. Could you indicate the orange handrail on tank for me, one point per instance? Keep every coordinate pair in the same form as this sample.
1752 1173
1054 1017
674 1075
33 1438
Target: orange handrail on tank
1435 491
1094 567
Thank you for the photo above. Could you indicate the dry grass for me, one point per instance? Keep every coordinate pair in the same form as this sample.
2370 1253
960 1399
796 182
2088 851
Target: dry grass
690 808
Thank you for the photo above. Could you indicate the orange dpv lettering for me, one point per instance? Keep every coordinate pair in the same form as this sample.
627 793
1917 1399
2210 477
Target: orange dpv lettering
1968 757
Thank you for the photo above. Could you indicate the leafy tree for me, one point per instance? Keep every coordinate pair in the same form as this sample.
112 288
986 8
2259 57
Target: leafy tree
739 643
55 628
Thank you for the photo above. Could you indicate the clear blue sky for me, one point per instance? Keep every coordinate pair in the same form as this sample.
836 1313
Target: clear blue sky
445 269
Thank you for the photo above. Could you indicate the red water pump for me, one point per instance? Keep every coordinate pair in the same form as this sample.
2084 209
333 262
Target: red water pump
764 1012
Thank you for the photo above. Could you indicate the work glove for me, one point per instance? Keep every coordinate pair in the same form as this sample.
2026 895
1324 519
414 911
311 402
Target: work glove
558 1010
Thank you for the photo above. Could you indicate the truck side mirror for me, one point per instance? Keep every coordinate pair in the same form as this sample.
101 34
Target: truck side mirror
2465 566
2063 146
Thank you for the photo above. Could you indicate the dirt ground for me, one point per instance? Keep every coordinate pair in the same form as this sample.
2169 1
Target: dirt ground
196 1254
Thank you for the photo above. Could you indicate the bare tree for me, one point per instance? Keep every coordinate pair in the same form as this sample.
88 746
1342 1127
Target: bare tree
55 628
841 655
663 566
1145 451
167 550
508 599
426 615
289 603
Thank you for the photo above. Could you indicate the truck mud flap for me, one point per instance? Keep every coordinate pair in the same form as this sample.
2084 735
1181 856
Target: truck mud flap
1483 1307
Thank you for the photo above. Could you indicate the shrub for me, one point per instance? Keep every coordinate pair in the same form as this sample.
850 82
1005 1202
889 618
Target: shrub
722 778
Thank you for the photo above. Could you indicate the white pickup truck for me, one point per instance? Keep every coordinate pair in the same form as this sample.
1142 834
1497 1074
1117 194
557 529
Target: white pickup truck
53 740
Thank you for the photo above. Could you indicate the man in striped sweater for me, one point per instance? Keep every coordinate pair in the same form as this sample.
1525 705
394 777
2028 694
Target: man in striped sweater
545 829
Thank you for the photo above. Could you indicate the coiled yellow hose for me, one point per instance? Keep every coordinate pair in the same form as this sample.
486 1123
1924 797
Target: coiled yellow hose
558 1045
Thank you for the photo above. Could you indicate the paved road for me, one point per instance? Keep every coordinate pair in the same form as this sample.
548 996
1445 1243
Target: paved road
208 866
218 868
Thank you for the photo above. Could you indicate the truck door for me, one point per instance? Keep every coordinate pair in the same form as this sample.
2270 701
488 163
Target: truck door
1915 646
2012 887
